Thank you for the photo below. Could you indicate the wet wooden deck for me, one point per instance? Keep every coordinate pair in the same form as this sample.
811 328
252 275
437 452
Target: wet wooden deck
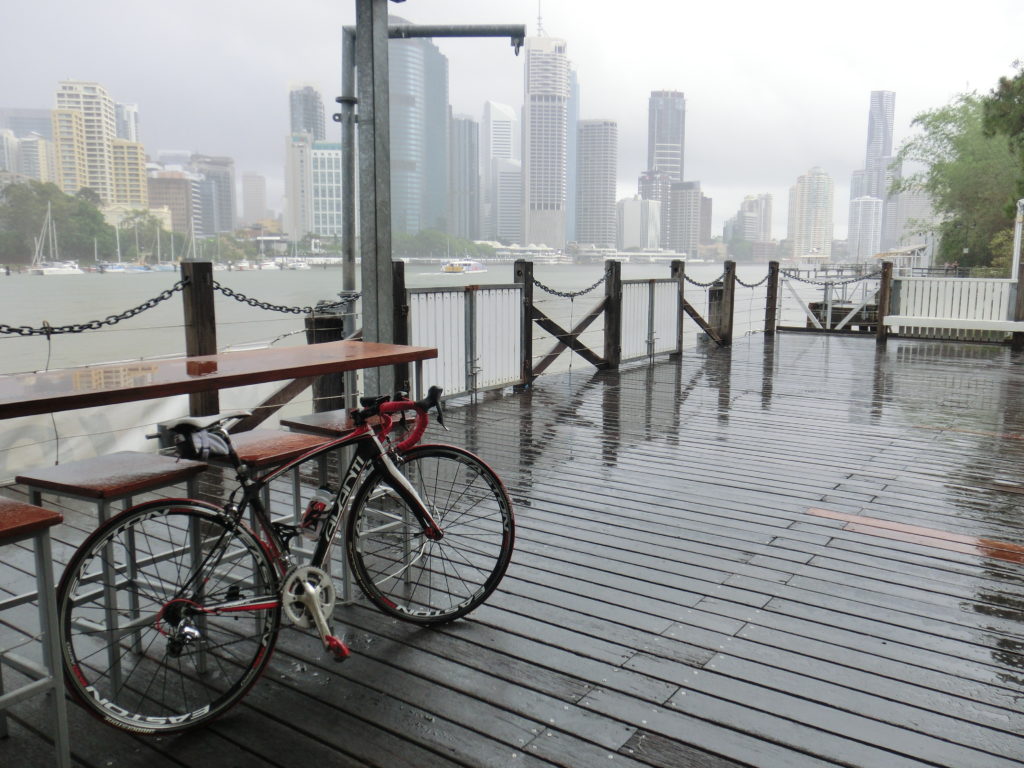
803 553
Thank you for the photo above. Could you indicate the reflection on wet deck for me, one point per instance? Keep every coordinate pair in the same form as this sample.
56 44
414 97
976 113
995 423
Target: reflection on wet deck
678 597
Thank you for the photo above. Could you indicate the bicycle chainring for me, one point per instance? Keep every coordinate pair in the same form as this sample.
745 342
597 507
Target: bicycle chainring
293 595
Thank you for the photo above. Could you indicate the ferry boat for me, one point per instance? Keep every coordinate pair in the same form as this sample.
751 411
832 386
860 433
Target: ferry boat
462 266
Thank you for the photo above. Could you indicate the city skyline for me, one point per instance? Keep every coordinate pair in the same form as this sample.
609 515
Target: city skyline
758 113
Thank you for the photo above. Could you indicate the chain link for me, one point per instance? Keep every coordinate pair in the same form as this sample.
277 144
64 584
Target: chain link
762 281
320 307
567 294
93 325
691 281
791 276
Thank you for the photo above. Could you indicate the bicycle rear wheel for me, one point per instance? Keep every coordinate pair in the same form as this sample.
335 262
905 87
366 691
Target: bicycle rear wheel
406 574
168 613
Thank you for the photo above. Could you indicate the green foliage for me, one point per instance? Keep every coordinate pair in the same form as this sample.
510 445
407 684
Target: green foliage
969 176
80 225
1004 116
433 244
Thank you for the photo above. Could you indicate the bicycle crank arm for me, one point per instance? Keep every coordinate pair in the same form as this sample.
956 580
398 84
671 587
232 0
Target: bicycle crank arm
332 643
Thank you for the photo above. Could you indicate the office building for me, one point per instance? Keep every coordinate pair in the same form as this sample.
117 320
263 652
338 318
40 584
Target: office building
666 133
25 122
254 199
96 107
464 178
705 218
810 216
639 224
572 122
685 217
306 109
657 186
128 175
864 238
312 188
507 201
545 118
880 171
127 121
598 147
499 140
176 190
36 158
217 192
8 151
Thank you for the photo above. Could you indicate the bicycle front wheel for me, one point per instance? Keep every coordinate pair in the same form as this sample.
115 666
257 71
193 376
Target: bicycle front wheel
168 613
409 576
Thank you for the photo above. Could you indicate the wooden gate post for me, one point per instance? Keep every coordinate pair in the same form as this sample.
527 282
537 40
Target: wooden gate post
200 327
679 275
523 276
400 323
613 313
884 292
772 299
1017 339
728 302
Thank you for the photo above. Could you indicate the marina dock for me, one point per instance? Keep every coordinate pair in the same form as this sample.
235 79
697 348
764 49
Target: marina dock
799 552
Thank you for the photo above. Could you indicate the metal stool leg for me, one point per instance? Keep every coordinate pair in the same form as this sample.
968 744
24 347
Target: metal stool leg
51 646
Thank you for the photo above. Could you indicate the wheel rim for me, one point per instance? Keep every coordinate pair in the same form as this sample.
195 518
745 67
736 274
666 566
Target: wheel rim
191 632
425 580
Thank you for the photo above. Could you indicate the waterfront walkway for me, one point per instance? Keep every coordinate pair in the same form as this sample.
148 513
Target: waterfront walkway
799 553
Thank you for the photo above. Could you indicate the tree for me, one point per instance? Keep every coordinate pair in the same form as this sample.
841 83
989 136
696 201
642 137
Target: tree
1004 116
969 176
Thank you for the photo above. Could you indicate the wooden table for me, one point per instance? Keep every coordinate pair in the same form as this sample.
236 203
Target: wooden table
28 394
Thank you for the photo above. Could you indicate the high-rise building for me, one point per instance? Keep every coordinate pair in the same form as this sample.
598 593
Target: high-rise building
36 158
666 133
499 140
754 219
178 191
685 217
657 185
217 192
639 224
128 175
572 150
254 198
598 148
312 187
464 178
419 134
507 201
8 151
865 231
705 218
810 215
545 117
879 172
306 109
69 150
127 121
94 104
25 122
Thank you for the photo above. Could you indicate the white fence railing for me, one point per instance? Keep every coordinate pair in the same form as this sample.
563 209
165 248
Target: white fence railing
966 308
650 311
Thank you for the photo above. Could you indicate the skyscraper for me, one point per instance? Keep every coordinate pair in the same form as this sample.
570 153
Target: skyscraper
419 135
507 202
499 140
666 133
93 103
879 171
217 192
572 150
685 216
810 215
307 112
545 114
312 187
657 185
865 231
254 198
598 147
127 121
464 178
639 224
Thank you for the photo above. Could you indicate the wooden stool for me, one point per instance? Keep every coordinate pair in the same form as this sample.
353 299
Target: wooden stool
333 424
110 478
19 522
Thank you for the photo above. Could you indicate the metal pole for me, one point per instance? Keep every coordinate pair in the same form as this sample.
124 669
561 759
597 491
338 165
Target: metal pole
347 118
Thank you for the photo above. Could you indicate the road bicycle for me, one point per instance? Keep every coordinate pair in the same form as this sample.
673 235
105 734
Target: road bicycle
170 611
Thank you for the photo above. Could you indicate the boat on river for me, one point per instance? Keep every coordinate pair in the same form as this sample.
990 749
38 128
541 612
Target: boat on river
45 260
462 266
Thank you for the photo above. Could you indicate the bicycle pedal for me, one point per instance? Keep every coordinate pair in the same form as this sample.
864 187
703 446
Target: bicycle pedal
337 648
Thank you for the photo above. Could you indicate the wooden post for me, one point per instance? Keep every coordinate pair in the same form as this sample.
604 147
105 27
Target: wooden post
772 299
728 302
884 292
1017 339
328 391
400 323
613 314
679 275
523 275
200 327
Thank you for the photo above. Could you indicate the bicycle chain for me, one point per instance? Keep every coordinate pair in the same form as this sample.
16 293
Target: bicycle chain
239 296
567 294
93 325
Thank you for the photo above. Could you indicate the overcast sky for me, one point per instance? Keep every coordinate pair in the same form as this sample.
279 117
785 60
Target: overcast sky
772 89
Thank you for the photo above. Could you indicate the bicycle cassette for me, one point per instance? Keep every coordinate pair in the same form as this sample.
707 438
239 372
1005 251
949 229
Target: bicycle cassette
302 585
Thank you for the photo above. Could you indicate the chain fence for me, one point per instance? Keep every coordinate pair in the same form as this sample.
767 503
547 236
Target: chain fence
823 283
345 299
568 294
762 281
691 281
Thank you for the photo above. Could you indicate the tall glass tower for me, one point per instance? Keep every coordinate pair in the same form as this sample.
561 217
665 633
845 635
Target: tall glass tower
666 133
307 112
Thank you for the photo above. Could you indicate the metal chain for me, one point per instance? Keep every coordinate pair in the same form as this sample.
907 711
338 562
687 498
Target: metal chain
752 285
691 281
791 276
321 306
567 294
94 325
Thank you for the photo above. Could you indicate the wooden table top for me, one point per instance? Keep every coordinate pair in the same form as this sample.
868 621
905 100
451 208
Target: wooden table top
28 394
